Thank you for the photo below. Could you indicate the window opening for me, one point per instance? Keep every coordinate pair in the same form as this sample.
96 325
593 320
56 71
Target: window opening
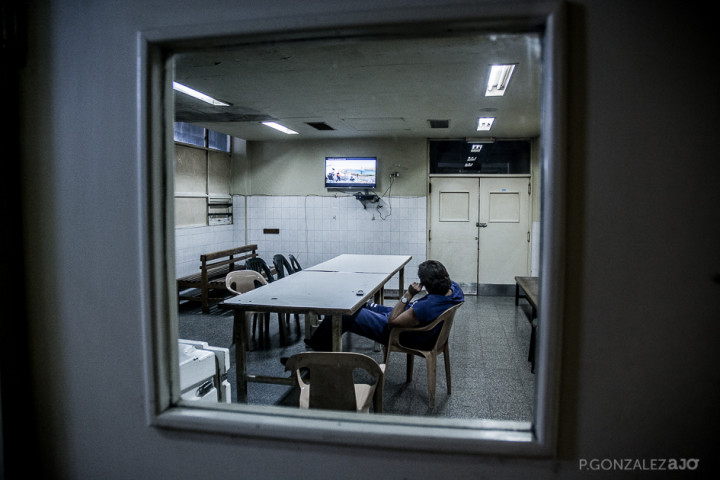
467 435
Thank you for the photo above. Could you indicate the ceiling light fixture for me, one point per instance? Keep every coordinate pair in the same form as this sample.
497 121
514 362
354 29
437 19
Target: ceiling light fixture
498 80
476 147
282 128
199 95
485 123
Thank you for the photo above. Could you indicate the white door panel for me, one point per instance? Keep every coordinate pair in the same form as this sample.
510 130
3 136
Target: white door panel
504 241
453 228
479 229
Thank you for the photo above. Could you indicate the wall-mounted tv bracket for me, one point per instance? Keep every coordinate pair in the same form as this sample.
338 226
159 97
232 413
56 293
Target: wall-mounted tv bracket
366 198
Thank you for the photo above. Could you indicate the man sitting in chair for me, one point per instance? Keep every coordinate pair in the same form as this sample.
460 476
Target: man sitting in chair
375 321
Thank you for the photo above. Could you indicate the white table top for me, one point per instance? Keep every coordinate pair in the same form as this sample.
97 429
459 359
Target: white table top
315 291
356 263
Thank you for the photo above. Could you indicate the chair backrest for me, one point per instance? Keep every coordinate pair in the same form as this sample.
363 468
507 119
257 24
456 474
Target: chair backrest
295 264
447 317
259 265
331 373
241 281
282 265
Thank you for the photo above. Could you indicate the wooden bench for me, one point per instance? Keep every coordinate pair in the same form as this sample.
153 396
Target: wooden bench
527 288
214 267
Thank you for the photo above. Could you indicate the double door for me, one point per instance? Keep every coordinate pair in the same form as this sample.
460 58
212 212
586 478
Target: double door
480 229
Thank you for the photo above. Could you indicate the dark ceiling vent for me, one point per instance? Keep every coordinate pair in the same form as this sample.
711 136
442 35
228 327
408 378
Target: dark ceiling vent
439 123
320 126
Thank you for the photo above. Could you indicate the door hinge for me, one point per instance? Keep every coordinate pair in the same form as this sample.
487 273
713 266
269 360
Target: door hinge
529 188
528 237
429 187
429 235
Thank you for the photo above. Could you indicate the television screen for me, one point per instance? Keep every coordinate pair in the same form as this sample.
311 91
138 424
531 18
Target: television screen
350 172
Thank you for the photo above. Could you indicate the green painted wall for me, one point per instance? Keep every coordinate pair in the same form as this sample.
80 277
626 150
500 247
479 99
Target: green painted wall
297 167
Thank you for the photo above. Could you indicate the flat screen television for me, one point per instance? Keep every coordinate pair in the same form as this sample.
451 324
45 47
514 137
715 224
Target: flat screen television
351 172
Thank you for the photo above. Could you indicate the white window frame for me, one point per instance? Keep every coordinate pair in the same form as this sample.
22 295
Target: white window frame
453 436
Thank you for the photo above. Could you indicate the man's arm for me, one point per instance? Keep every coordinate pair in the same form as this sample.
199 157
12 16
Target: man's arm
399 317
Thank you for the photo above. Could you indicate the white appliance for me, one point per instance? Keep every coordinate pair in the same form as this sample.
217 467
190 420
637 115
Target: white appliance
203 372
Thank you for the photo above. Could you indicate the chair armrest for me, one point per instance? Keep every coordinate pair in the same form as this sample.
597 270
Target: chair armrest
395 332
424 328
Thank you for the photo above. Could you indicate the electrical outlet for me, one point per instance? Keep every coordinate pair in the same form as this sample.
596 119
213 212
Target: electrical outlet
395 174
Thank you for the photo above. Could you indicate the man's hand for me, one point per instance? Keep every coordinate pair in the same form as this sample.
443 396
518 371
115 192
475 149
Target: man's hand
414 289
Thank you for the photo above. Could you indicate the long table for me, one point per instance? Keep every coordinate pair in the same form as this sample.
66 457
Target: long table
358 263
330 288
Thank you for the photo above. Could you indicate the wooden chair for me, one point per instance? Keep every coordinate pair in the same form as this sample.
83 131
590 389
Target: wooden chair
332 386
242 281
441 346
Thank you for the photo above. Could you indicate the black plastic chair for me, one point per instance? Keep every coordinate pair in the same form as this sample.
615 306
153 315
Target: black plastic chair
282 265
294 263
259 265
297 268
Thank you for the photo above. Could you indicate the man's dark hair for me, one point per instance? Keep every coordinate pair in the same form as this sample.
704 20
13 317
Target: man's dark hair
434 277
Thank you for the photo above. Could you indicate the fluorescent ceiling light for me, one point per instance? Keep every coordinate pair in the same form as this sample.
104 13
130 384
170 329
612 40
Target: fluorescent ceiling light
498 80
199 95
484 123
277 126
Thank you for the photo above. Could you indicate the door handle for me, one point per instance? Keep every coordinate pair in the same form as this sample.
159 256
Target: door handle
481 225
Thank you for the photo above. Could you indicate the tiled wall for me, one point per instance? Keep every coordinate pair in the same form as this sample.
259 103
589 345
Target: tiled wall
191 242
314 229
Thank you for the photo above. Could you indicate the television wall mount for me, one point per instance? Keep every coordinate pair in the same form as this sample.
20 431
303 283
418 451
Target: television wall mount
367 198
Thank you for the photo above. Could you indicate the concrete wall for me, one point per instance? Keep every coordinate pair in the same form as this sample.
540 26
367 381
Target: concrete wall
640 330
298 167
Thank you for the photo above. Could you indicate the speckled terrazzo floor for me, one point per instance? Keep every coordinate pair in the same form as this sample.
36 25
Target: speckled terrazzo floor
491 375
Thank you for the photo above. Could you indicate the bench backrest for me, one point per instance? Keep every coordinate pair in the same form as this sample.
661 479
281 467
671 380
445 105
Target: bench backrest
230 257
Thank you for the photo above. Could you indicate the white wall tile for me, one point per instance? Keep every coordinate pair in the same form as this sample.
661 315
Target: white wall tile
312 228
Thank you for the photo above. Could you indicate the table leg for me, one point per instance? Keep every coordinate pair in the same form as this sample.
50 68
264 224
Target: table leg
337 333
240 340
283 319
402 282
308 324
531 350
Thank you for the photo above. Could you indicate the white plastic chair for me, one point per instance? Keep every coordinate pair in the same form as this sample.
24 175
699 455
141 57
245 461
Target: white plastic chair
441 346
242 281
332 386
